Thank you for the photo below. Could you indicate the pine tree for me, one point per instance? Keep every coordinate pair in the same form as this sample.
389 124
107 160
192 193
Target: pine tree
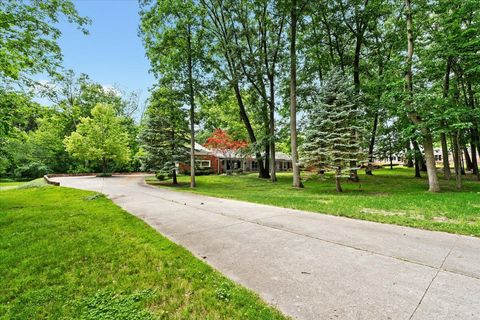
164 137
332 136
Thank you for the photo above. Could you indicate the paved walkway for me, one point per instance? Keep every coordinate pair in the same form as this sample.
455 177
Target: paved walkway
313 266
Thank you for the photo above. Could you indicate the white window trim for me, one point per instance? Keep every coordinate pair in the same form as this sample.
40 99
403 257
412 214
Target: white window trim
200 163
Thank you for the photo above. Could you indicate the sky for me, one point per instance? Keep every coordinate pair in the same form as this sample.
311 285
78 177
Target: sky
112 54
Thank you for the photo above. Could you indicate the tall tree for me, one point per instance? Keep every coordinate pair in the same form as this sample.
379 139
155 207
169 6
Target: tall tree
412 113
297 183
164 136
172 34
29 35
329 142
226 63
260 42
100 138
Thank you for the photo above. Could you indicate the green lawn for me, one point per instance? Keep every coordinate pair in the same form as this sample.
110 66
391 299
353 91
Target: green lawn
390 196
66 253
9 184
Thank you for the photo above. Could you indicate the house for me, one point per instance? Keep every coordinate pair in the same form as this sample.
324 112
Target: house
222 161
400 159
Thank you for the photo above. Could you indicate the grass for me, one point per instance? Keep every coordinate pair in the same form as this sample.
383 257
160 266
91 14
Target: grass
66 253
9 184
390 196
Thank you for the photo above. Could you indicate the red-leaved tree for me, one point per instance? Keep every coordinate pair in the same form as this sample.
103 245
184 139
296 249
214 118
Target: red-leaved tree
221 142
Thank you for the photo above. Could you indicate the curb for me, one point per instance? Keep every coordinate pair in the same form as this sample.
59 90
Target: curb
47 180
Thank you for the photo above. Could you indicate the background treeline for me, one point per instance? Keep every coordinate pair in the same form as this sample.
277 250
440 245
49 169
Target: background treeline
33 137
33 142
251 67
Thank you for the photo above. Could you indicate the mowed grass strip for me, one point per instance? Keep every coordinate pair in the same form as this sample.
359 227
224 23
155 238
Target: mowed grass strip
390 196
71 254
6 184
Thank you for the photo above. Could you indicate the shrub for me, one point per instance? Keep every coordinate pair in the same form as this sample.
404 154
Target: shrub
32 169
200 172
163 175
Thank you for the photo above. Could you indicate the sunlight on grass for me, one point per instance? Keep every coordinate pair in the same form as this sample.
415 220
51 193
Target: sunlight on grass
390 196
71 254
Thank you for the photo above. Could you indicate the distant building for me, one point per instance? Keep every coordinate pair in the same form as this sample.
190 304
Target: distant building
221 162
400 159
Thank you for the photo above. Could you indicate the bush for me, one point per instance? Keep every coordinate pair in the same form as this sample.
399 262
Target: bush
234 171
200 172
203 172
32 169
104 175
162 175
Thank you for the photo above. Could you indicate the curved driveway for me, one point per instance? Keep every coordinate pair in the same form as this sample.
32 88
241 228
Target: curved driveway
309 265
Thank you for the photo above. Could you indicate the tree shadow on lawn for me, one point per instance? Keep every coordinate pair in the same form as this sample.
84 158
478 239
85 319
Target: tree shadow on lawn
168 184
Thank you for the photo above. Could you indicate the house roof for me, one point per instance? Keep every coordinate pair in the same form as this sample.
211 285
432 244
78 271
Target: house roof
282 156
232 154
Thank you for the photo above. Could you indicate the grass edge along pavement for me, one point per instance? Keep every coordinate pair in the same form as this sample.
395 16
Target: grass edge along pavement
67 253
389 196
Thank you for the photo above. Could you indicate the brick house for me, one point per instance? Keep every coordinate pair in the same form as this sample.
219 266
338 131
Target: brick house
222 162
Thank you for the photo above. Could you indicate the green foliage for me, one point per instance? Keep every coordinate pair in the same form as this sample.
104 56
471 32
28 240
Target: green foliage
100 138
108 305
389 196
29 34
164 136
333 135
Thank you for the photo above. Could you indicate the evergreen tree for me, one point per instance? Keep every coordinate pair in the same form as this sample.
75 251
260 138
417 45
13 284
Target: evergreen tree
164 137
332 136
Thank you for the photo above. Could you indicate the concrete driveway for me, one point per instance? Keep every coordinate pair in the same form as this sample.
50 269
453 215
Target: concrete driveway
309 265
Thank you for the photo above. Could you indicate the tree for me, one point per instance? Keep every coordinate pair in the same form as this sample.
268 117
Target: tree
164 136
172 33
100 138
223 143
28 36
297 183
412 112
259 42
226 64
332 134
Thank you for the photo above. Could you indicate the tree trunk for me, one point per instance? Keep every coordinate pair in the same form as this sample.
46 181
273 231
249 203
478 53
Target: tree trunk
423 163
391 155
266 123
417 157
446 163
369 168
417 168
427 136
297 183
104 166
192 108
267 157
457 161
433 183
409 153
338 174
174 177
273 174
443 136
468 160
473 150
262 173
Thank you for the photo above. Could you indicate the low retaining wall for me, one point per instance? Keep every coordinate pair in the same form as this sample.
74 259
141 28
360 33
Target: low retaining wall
49 181
48 177
54 175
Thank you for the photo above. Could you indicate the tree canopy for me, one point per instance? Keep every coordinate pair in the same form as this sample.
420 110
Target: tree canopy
100 137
